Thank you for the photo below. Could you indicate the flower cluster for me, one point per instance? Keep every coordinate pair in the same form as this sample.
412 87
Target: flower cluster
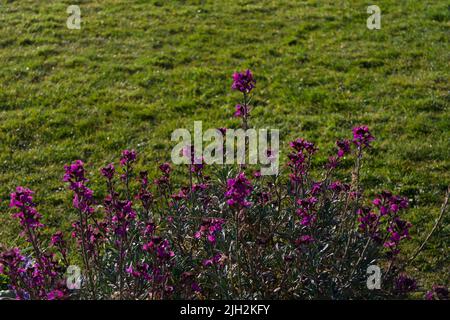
211 233
398 230
362 136
108 171
306 210
299 157
369 222
28 216
238 189
83 196
343 147
33 279
405 284
161 247
209 228
387 208
123 216
128 157
390 204
164 180
243 81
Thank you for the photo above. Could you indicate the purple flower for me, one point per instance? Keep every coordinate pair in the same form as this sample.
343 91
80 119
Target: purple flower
209 228
195 287
369 222
398 230
296 160
316 187
123 216
128 157
429 295
404 284
11 260
57 239
108 171
306 212
142 270
238 189
243 82
82 199
390 204
343 146
362 136
217 260
338 186
55 295
165 168
74 172
83 196
241 111
302 150
303 145
161 248
28 216
207 262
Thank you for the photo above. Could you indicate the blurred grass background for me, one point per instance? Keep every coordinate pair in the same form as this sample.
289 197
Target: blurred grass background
139 69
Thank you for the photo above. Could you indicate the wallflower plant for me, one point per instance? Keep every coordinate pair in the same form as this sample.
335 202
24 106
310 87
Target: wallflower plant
226 233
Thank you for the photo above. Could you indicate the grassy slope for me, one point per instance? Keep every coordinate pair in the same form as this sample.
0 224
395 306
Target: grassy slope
139 69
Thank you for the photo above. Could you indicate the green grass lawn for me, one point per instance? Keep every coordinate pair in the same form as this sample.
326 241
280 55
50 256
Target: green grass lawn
139 69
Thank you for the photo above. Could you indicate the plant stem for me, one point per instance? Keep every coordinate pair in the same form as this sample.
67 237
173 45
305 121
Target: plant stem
436 224
238 255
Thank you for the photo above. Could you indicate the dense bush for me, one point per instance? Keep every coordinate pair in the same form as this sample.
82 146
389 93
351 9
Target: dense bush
228 233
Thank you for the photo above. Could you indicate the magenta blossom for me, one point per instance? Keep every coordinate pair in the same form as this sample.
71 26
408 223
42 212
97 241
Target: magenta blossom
303 145
369 222
404 284
307 211
390 204
241 111
343 146
160 247
128 157
28 216
123 216
209 228
74 172
398 230
165 168
83 196
243 82
57 239
362 136
238 189
108 171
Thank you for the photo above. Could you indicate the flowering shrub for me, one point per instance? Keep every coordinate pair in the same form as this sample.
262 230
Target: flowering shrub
227 233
